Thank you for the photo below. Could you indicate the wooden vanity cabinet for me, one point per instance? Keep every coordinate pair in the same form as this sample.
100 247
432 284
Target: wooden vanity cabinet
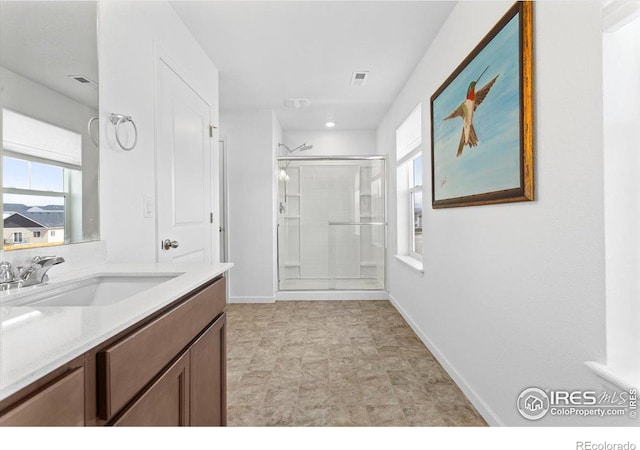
167 370
191 392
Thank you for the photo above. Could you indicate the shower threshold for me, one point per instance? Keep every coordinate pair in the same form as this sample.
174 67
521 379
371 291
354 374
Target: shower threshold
314 284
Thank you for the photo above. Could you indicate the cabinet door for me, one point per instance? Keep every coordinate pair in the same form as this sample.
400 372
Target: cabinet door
125 367
60 403
165 403
208 376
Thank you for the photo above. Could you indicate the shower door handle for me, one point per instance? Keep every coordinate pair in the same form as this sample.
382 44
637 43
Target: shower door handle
358 223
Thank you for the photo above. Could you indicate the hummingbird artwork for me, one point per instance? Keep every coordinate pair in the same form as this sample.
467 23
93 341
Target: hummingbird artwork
466 110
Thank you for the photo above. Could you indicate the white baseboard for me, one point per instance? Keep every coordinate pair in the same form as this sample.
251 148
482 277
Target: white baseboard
331 295
252 299
487 413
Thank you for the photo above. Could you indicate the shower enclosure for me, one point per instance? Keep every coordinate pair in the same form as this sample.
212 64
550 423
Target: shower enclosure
331 223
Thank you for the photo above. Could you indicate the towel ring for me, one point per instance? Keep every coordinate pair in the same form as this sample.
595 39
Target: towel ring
116 120
95 142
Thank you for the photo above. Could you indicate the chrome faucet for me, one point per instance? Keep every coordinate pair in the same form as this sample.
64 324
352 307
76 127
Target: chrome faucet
36 272
7 274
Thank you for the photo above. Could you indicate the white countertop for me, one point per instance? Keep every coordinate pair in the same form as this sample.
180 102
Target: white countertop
36 340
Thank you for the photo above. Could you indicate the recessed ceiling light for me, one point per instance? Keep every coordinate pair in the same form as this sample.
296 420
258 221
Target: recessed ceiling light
330 124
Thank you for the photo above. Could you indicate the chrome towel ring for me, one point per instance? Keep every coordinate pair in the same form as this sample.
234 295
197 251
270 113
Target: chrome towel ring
94 140
116 120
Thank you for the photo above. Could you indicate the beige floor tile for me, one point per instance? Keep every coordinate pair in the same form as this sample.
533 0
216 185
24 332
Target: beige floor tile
255 378
281 393
316 416
348 416
246 395
378 395
335 364
386 416
313 395
278 415
245 416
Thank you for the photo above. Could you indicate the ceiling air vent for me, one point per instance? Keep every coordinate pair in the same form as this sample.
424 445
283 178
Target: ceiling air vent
297 102
84 80
359 78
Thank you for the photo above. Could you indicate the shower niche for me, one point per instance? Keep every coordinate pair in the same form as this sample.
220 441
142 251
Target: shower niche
331 223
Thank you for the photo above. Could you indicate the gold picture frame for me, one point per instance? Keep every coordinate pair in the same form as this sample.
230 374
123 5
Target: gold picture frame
493 162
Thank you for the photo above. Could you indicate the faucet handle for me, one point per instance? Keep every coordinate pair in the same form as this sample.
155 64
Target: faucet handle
42 260
6 272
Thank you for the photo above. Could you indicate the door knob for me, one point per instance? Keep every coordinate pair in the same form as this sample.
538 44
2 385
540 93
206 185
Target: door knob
168 244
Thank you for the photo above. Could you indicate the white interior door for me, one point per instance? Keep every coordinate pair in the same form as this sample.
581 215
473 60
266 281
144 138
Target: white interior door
183 171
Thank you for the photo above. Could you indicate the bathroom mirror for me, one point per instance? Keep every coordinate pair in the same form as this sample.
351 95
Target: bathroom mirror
49 99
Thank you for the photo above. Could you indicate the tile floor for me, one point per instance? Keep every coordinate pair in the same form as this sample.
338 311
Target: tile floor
337 363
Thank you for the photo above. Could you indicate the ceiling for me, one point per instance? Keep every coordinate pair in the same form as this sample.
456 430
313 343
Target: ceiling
267 51
47 41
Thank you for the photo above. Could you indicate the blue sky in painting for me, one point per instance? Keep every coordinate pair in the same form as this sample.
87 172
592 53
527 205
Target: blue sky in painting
495 163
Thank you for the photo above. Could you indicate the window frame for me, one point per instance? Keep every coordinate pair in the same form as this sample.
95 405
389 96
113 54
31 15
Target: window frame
408 149
413 188
41 193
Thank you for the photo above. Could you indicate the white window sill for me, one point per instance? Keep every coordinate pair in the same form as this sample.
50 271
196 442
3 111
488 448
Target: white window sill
624 376
414 263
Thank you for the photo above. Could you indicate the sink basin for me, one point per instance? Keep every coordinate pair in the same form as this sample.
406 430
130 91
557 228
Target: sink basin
99 290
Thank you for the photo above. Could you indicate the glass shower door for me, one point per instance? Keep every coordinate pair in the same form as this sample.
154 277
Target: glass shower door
332 224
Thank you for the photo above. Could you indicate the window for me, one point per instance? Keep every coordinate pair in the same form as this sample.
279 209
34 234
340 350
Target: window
410 193
415 194
41 167
621 42
53 233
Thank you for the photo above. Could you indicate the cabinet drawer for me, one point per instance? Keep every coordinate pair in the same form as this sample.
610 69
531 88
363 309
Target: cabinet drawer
127 366
60 403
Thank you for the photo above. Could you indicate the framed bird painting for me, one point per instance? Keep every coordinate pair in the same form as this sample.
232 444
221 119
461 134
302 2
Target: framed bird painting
482 120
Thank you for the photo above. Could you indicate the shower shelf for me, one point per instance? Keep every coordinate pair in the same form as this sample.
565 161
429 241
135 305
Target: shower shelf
293 195
291 264
291 217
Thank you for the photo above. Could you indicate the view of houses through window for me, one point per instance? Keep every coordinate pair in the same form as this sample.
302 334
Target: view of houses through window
33 204
39 162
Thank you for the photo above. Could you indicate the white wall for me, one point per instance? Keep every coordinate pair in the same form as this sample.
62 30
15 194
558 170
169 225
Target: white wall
513 295
249 137
332 142
622 195
128 32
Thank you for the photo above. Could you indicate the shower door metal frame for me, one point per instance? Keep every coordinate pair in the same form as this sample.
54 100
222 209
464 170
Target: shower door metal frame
382 158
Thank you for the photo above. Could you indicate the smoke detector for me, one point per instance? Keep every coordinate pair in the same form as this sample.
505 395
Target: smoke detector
84 80
297 103
359 78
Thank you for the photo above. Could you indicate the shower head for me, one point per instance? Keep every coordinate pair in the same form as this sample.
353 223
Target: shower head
301 148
